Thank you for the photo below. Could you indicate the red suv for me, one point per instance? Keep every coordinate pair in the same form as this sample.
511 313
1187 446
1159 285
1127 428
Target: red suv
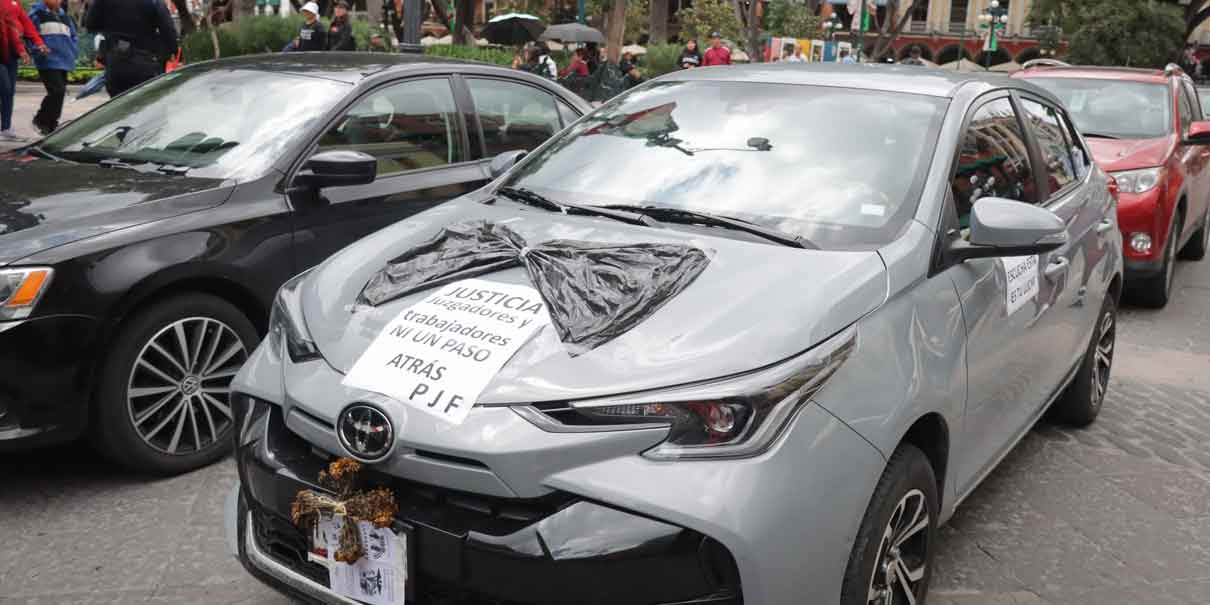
1144 127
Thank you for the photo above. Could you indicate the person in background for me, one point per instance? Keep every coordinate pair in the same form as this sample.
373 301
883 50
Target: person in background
14 25
627 62
717 54
592 56
797 56
312 35
140 36
378 43
340 32
690 56
633 77
914 58
58 31
846 57
578 66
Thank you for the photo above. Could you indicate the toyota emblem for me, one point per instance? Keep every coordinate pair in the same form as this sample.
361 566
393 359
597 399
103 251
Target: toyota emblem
365 432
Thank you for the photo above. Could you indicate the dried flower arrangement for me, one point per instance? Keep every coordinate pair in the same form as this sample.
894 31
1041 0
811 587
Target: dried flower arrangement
376 506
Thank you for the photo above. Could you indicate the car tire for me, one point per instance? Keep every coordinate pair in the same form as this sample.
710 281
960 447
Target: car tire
1155 291
1081 401
1196 248
894 543
161 405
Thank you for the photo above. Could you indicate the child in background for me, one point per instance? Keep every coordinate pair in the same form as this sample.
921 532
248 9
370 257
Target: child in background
58 32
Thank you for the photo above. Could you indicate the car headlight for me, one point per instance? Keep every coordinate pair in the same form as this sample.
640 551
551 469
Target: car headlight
286 323
20 290
728 418
1138 181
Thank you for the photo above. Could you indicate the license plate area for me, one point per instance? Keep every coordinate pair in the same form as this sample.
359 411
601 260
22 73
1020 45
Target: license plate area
384 575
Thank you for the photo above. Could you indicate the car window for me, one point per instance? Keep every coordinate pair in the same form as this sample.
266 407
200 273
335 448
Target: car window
513 116
407 126
1186 108
568 114
1080 158
993 160
1044 122
1114 108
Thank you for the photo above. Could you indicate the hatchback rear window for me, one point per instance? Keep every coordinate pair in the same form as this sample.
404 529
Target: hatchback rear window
1113 108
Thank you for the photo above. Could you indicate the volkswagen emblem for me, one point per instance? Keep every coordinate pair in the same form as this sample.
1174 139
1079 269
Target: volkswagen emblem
365 432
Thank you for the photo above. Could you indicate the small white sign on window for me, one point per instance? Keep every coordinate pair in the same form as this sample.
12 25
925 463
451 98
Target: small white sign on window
1021 281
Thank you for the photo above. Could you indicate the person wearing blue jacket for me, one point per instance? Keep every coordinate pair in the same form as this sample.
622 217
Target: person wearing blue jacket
58 30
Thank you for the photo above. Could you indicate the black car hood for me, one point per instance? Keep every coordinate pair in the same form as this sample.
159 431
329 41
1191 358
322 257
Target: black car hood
44 203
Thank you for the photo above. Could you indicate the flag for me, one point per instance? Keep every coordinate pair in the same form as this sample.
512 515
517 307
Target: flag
854 7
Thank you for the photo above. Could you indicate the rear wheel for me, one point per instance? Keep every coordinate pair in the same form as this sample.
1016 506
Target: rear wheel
1155 291
1081 401
892 558
163 404
1196 248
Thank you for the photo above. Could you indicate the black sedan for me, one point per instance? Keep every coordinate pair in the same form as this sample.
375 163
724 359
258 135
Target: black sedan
141 245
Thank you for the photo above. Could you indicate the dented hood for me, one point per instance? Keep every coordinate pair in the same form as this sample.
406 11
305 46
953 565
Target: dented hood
755 304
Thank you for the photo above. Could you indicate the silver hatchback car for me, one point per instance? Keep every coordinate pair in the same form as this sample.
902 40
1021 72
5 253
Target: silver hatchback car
741 335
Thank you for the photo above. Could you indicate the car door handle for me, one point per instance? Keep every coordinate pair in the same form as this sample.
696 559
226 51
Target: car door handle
1104 226
1057 267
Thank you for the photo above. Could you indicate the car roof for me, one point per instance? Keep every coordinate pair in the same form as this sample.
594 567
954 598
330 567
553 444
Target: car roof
933 82
1129 74
350 67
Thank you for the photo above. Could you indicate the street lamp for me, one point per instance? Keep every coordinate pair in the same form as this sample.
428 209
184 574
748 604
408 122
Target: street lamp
994 19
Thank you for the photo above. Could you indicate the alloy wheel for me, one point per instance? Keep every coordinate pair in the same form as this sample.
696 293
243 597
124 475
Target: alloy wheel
1103 358
179 391
898 575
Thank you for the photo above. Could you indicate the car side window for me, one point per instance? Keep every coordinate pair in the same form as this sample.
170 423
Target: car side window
1044 122
1080 158
1186 108
1195 107
513 116
407 126
568 114
993 160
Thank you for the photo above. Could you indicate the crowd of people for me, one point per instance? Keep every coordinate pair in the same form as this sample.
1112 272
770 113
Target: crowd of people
315 36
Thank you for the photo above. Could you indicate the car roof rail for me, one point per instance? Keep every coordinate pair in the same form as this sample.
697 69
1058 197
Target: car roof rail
1172 69
1032 63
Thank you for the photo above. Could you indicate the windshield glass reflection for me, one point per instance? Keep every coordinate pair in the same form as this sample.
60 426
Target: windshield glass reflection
838 166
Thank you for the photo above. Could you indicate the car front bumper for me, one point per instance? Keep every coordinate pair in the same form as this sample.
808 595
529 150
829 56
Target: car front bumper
45 379
1143 213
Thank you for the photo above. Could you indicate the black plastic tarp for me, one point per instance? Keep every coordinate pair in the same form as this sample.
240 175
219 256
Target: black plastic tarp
593 291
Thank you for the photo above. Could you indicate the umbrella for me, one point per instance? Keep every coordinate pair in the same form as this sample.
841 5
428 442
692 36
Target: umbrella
1007 67
513 29
573 32
634 49
963 65
93 86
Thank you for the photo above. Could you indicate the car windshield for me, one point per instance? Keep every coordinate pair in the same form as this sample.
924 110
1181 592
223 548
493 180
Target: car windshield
837 166
1113 108
209 122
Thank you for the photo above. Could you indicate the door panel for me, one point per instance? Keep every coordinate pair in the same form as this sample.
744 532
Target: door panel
415 130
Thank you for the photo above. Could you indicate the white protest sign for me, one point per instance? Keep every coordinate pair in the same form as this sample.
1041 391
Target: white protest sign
379 577
439 354
1021 281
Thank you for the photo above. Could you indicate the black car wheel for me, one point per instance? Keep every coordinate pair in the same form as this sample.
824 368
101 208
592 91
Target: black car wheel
1155 291
163 404
892 559
1197 246
1081 401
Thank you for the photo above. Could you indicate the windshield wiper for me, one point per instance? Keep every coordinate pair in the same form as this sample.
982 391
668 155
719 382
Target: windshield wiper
115 163
1099 135
679 215
533 198
38 150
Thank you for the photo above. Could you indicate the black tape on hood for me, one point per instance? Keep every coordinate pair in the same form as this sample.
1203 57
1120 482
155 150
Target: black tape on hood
594 292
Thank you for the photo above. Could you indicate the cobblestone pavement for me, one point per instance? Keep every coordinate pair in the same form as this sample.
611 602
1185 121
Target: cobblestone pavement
1118 513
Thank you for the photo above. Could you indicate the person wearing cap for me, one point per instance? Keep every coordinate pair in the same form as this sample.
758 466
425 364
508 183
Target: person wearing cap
313 34
717 54
140 36
340 32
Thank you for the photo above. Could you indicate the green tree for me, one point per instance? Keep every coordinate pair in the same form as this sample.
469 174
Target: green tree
707 16
1139 33
793 19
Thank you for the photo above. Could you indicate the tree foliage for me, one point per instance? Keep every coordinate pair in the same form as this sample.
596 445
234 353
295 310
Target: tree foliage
1140 33
707 16
792 19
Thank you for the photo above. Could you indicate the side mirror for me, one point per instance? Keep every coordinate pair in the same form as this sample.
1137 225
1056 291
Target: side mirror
1199 134
1002 227
337 168
501 163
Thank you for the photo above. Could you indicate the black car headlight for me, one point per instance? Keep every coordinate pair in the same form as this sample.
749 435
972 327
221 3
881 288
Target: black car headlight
732 417
286 322
20 290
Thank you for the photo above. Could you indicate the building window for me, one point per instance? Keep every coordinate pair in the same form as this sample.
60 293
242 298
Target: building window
958 10
920 11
